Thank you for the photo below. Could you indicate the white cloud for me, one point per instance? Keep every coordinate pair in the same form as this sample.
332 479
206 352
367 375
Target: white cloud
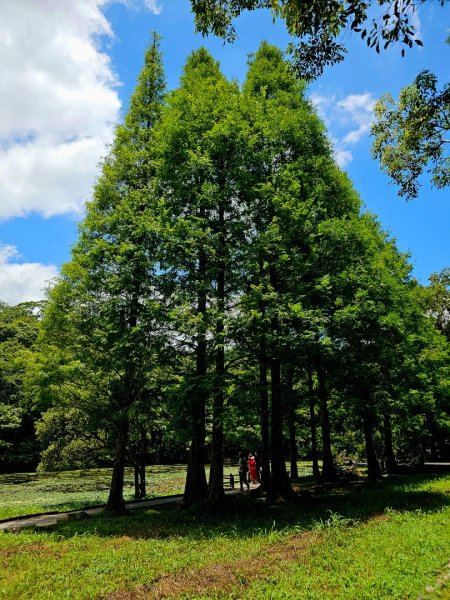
153 6
349 119
357 109
343 157
58 104
20 282
415 20
48 176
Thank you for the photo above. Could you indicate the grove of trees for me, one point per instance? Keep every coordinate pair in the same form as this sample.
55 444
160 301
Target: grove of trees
227 291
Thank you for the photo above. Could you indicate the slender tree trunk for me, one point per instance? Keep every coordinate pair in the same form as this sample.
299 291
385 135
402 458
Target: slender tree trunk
280 486
137 488
216 493
196 487
293 445
279 479
142 482
116 502
312 424
391 461
264 412
328 472
290 410
373 466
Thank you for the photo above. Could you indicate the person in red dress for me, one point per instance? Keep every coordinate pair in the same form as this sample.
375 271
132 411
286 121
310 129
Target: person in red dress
253 469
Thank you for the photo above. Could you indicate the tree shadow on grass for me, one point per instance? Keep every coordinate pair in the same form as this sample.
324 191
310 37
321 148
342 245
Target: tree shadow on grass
246 517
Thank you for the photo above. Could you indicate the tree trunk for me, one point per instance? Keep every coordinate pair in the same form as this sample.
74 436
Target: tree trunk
328 472
216 493
137 488
293 445
312 424
280 486
264 411
142 482
196 487
390 460
279 480
373 466
290 410
116 502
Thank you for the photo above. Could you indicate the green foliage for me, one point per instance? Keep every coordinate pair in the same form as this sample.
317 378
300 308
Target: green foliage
437 297
100 338
19 327
65 434
319 25
411 134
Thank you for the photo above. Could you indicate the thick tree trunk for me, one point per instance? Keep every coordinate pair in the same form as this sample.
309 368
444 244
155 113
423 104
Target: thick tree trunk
116 502
196 487
312 424
390 460
328 472
373 465
216 493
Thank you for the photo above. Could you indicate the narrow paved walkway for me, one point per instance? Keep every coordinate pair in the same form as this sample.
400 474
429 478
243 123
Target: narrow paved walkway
46 521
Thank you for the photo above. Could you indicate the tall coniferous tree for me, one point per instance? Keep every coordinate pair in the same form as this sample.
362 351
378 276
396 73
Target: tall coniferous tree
106 297
294 186
197 161
367 284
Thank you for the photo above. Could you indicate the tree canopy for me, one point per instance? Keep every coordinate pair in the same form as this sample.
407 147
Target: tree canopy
412 134
320 25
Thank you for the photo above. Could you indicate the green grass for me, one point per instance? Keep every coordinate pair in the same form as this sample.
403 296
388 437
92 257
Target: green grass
390 541
29 493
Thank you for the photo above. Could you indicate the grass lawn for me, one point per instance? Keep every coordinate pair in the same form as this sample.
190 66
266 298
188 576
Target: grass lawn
390 541
29 493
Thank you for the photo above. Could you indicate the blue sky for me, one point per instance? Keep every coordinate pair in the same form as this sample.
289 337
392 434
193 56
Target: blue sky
67 71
